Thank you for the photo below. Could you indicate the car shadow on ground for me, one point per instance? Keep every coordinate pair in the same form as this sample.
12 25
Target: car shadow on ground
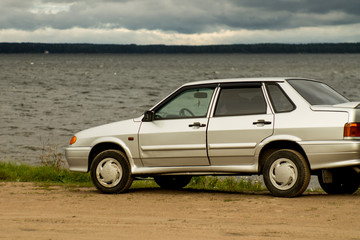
189 190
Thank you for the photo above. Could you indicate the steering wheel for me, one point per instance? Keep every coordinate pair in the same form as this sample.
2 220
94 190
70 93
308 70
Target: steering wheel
184 110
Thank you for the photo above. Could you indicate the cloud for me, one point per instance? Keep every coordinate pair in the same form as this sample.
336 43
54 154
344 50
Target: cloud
185 16
163 19
342 33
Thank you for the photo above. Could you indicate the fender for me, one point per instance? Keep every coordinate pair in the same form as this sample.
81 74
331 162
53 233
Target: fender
274 138
118 142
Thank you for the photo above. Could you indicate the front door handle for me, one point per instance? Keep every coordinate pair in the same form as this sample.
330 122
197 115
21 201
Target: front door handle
197 124
262 121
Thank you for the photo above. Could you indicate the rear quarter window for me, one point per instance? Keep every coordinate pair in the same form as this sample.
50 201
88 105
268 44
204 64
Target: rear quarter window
279 100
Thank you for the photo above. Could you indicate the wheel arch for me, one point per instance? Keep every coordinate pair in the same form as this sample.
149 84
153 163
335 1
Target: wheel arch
270 147
103 146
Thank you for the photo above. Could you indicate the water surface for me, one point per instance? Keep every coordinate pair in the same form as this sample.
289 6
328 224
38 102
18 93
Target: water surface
45 99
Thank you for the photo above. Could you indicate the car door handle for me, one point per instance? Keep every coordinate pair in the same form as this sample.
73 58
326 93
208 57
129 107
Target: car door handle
197 124
262 121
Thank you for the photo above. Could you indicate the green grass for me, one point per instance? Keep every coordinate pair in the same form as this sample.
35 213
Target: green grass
148 183
12 172
226 184
53 172
54 175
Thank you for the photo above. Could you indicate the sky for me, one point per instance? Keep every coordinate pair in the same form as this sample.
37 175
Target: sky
180 22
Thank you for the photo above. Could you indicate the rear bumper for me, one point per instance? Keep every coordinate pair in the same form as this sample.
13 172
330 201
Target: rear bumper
77 158
332 154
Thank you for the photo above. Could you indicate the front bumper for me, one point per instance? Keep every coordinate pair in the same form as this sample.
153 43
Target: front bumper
78 158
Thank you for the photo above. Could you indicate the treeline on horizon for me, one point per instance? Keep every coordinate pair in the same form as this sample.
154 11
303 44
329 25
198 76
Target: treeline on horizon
9 48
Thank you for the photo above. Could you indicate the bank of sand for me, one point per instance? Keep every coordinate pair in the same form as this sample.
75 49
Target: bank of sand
28 211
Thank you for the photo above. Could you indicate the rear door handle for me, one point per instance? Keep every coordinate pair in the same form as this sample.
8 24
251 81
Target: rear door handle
197 124
262 121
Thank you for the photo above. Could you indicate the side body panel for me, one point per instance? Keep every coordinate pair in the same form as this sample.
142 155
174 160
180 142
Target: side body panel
233 140
173 143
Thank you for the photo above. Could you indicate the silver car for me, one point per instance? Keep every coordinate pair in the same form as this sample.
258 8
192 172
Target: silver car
283 128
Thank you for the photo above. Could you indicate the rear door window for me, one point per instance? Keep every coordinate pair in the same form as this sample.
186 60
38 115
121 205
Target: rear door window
241 100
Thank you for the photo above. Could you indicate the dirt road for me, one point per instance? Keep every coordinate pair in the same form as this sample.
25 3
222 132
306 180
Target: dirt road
28 211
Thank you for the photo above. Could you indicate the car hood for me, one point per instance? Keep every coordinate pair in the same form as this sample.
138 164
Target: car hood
116 129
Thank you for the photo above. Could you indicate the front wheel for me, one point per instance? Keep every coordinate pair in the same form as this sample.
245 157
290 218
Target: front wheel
172 182
110 172
286 173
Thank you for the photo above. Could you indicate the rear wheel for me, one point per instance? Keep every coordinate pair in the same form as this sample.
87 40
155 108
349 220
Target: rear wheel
110 172
172 182
342 181
286 173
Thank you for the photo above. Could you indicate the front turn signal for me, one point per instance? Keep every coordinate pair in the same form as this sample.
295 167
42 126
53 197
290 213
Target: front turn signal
352 130
73 140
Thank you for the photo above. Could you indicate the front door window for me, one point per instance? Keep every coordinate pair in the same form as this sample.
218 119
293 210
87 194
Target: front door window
191 103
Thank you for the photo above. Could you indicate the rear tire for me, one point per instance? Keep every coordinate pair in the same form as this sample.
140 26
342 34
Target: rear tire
110 172
345 181
172 182
286 173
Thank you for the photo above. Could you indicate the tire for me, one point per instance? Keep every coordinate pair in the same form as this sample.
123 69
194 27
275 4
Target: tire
172 182
286 173
345 181
110 172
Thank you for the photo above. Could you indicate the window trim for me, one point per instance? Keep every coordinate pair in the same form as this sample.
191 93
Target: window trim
241 85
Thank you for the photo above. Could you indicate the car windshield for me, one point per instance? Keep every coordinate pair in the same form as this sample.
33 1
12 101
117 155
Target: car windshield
317 93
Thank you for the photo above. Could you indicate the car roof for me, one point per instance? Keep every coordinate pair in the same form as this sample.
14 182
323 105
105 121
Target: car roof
238 80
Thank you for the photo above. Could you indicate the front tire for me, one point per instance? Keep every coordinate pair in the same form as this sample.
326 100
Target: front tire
172 182
286 173
110 172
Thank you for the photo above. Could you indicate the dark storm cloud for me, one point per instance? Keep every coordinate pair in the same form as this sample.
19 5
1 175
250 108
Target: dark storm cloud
187 16
309 6
302 13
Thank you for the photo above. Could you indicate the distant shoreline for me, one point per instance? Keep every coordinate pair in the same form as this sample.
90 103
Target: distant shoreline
274 48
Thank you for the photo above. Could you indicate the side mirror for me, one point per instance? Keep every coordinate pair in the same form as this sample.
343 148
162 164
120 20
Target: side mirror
148 116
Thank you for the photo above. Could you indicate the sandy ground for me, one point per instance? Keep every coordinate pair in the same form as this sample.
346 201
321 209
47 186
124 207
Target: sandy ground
28 211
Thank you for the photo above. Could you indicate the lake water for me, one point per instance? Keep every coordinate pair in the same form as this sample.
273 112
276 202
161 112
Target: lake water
45 99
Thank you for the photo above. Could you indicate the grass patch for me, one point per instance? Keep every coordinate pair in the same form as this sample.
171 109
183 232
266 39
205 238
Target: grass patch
226 184
54 175
53 172
12 172
148 183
